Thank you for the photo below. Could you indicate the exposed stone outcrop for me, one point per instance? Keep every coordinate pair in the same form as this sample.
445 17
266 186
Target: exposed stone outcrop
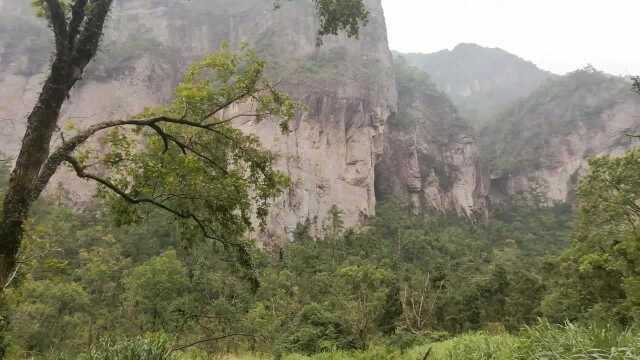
347 85
543 143
430 156
371 130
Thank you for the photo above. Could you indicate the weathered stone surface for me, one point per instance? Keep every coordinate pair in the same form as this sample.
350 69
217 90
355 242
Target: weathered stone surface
430 157
544 142
347 85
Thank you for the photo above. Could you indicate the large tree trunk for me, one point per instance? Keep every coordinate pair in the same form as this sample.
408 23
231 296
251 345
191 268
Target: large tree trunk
77 42
34 152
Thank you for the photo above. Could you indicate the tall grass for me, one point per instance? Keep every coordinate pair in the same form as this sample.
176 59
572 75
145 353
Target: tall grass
590 342
541 342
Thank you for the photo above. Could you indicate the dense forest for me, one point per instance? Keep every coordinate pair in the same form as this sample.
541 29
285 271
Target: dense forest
168 257
401 283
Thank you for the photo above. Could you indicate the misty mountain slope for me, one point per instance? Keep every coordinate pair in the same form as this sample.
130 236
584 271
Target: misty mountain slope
430 156
346 85
545 140
481 81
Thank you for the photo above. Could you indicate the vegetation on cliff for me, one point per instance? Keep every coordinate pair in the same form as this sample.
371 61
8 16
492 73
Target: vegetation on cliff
482 82
526 136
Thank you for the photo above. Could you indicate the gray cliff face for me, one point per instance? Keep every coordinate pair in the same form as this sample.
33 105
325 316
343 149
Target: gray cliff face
372 130
544 142
480 81
347 86
431 157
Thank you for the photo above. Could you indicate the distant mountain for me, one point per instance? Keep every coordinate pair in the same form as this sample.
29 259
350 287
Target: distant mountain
480 81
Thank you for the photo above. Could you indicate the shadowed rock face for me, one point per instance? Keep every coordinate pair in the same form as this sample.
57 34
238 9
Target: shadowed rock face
347 85
430 157
543 142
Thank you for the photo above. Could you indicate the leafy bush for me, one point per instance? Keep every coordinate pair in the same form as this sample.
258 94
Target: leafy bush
316 330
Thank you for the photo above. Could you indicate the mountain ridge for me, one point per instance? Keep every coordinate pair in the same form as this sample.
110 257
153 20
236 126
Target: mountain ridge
481 81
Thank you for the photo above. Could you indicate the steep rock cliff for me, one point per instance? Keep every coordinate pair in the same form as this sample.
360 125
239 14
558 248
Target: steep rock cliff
347 86
430 156
543 143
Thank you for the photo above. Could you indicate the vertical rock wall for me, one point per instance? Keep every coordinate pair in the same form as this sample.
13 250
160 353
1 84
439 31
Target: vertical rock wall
347 86
430 156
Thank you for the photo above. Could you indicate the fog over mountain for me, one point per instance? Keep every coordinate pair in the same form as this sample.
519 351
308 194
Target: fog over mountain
481 81
559 36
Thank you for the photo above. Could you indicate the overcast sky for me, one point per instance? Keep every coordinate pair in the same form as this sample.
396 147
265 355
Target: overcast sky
557 35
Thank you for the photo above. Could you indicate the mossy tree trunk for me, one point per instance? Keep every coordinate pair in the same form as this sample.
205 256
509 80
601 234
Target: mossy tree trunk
77 35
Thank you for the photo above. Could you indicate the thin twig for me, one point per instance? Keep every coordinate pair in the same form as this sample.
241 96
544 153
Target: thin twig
182 347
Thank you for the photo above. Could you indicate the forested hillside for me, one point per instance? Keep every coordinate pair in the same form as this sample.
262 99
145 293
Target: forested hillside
86 279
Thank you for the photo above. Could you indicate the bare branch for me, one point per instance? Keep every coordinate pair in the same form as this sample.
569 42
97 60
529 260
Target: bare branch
255 115
427 354
183 347
12 276
228 103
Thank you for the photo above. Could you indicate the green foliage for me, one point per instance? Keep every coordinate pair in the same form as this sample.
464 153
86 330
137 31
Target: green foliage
402 281
344 15
339 16
524 136
600 267
197 167
391 312
45 314
569 341
315 329
155 290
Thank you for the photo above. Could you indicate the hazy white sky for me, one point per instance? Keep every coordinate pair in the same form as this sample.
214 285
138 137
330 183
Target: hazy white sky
557 35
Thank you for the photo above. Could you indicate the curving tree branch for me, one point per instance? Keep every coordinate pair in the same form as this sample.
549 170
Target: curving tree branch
81 172
183 347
